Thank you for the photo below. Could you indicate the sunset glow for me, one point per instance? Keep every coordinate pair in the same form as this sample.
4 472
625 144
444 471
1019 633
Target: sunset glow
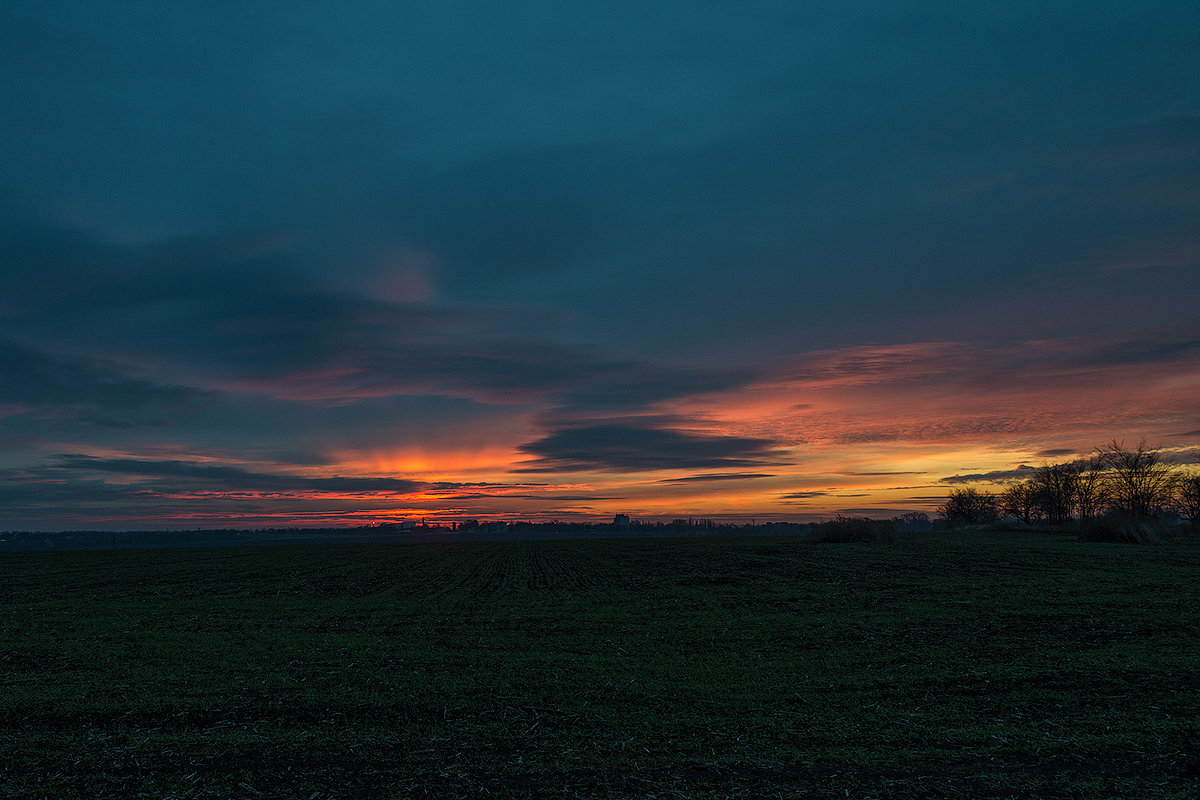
779 265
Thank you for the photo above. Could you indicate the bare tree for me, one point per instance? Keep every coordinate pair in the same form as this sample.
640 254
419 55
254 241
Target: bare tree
968 506
1137 481
1057 488
1187 498
1021 500
1089 488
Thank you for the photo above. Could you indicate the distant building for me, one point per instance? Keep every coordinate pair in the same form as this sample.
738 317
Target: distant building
621 522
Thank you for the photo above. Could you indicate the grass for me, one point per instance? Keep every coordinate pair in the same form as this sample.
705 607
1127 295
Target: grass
952 665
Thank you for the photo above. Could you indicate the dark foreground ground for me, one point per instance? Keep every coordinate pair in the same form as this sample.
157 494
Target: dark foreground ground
966 665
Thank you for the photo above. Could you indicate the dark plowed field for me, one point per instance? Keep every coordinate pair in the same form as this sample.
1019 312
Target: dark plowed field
953 665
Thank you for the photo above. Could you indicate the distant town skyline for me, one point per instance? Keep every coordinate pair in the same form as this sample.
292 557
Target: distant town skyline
310 264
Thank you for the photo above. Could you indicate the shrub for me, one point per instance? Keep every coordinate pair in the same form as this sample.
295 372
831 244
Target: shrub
1126 528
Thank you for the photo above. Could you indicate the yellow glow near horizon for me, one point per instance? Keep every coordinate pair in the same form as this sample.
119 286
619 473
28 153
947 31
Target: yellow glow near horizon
820 441
430 463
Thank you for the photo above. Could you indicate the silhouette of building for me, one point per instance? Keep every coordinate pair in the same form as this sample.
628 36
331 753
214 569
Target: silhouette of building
621 522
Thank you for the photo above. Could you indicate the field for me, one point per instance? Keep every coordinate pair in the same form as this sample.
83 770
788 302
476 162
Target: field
975 665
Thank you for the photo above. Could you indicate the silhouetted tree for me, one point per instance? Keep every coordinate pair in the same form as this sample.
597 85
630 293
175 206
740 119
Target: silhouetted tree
1021 500
1187 499
854 529
1056 487
968 506
1137 481
1089 488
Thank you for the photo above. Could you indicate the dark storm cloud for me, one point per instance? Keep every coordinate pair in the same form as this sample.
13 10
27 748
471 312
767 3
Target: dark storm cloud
233 478
617 447
43 385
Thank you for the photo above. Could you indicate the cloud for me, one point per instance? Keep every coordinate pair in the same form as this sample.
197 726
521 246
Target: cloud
618 447
64 272
612 248
235 478
996 476
984 364
855 366
1056 452
619 385
803 495
732 476
89 390
41 491
1183 457
254 313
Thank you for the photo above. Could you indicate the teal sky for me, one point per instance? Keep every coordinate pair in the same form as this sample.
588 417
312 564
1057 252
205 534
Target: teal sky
527 258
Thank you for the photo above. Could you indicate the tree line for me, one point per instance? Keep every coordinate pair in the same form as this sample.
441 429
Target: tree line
1129 484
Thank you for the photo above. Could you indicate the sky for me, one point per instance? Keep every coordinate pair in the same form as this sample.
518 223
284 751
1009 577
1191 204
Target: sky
305 263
